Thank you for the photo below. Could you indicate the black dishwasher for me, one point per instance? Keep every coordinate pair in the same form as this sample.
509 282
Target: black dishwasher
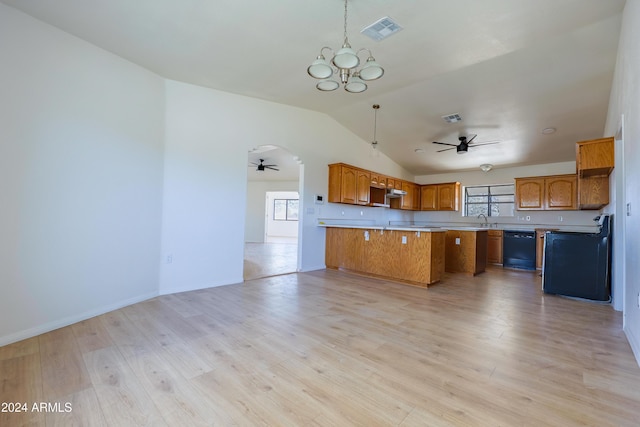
519 249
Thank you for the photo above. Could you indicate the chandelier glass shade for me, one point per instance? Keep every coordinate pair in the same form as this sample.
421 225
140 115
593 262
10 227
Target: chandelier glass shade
344 64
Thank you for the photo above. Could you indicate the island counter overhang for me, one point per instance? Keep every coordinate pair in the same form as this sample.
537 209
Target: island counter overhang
411 255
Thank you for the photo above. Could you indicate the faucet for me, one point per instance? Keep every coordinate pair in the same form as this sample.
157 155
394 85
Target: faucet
486 223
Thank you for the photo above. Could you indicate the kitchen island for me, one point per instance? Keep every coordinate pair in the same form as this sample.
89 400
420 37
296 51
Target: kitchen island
414 256
466 250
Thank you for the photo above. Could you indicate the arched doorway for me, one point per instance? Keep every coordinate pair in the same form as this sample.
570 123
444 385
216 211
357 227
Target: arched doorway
271 248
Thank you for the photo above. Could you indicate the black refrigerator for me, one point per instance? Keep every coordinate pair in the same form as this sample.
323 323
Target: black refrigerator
579 264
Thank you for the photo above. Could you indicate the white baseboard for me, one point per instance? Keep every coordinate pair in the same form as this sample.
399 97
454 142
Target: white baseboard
60 323
634 343
176 290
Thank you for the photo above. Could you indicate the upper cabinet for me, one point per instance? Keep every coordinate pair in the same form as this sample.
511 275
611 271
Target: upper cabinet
556 192
594 163
440 197
348 184
595 157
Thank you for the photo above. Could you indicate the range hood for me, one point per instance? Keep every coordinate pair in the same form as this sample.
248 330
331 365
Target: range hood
395 193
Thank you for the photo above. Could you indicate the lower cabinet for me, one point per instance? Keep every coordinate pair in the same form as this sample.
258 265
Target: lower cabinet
466 251
540 245
494 246
413 257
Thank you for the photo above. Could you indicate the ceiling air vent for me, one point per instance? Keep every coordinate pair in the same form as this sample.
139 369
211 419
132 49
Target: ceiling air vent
381 29
452 118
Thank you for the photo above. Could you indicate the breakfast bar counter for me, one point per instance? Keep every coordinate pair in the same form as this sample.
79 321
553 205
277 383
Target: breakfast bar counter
414 256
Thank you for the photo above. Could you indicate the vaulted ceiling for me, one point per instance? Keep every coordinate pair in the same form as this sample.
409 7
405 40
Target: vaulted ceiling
509 68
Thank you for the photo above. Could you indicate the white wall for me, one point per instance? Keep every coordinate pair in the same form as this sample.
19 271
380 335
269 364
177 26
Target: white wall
256 194
80 179
625 100
569 220
205 205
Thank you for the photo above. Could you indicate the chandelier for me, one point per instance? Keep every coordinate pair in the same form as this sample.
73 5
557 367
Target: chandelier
346 62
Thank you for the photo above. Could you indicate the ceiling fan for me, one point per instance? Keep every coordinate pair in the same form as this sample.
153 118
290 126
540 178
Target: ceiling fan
261 166
464 145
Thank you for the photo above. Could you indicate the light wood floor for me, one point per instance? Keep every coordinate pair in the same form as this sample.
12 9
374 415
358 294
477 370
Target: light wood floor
270 259
330 349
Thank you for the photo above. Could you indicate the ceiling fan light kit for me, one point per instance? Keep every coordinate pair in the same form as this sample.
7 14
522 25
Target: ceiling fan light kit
486 167
345 61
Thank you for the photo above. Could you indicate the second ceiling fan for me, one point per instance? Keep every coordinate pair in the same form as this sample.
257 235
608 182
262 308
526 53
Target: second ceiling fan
464 144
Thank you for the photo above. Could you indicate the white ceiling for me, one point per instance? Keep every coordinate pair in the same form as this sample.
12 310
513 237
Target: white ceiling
510 68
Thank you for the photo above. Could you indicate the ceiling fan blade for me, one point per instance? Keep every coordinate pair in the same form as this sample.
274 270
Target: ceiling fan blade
472 138
447 149
445 143
271 167
485 143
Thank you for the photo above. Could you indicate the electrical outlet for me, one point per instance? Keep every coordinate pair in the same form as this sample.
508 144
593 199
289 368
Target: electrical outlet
560 218
457 240
169 259
404 240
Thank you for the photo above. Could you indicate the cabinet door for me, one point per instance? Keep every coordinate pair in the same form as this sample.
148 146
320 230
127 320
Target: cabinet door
593 192
428 197
539 248
494 246
448 196
530 193
349 185
390 182
407 199
595 157
362 187
561 193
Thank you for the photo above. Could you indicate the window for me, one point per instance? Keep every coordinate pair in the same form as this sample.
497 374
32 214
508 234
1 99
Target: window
490 200
285 209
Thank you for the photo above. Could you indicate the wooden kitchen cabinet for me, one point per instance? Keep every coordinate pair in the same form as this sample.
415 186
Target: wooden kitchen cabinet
348 184
362 186
594 163
429 197
344 248
449 196
595 157
413 257
540 245
556 192
440 197
529 193
494 246
406 202
466 251
411 200
561 192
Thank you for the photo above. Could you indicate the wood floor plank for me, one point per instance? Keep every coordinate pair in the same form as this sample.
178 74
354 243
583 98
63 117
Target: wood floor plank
327 348
63 370
123 400
21 387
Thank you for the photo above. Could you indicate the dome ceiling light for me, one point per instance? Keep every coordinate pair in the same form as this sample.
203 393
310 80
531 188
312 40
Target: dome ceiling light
346 62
